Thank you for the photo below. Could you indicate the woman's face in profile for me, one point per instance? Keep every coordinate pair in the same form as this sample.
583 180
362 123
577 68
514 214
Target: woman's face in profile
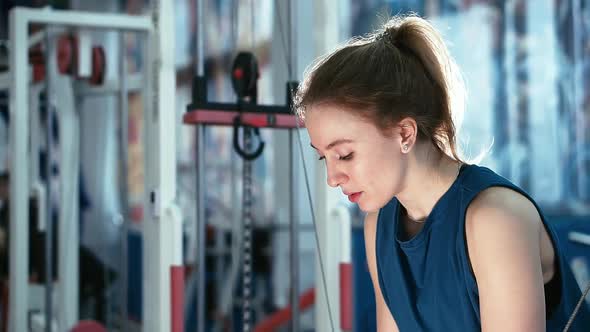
359 159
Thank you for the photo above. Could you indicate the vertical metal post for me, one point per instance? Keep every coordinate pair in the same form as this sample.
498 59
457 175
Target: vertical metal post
581 157
19 230
200 36
124 164
159 237
294 239
146 91
49 230
293 219
500 103
523 131
200 153
201 225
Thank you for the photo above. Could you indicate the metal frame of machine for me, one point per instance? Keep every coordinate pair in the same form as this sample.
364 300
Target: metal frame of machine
162 225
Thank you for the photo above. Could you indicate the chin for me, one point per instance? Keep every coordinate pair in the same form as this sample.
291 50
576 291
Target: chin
369 207
368 210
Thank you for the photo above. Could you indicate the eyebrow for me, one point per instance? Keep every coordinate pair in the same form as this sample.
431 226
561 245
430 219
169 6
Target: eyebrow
333 144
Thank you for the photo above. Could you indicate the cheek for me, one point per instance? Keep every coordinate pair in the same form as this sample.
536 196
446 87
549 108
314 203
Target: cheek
385 176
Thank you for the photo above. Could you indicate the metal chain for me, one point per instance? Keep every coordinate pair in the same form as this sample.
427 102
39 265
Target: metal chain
247 202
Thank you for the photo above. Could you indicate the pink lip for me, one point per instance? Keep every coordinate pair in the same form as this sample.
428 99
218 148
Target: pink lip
354 197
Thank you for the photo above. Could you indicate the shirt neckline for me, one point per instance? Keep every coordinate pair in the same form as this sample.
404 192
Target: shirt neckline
440 205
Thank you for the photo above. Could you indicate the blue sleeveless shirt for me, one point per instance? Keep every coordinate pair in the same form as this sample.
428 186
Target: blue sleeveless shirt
427 281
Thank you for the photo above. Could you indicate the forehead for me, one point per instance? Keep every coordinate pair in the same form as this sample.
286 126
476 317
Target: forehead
326 115
328 122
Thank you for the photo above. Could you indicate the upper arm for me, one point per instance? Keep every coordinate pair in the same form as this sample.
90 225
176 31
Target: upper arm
502 231
385 321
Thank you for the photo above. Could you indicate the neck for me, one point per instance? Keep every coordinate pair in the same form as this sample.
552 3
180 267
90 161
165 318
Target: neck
430 174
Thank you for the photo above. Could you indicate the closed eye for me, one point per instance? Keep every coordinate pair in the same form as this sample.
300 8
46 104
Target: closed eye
347 157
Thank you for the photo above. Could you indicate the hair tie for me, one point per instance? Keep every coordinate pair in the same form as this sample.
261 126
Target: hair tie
384 35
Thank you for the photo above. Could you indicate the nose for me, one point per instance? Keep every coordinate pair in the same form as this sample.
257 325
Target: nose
336 177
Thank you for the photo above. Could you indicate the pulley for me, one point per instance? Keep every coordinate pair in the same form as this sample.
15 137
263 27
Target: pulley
244 79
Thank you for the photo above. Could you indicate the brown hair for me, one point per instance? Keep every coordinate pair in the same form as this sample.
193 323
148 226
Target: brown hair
402 70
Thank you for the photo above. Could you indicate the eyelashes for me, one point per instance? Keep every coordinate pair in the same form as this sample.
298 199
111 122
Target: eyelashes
347 157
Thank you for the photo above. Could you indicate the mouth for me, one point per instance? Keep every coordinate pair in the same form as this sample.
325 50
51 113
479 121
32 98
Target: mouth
354 197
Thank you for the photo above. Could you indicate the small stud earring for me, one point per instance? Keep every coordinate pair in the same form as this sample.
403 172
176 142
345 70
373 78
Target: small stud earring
405 147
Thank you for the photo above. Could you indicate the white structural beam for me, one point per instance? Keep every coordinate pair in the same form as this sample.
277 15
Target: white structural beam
160 160
83 19
19 187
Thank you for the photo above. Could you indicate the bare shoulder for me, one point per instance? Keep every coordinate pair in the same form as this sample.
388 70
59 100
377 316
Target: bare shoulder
499 209
502 229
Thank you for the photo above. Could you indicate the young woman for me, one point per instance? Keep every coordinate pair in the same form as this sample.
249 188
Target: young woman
450 246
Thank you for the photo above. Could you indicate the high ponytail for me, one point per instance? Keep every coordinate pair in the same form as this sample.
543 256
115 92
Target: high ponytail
424 42
408 72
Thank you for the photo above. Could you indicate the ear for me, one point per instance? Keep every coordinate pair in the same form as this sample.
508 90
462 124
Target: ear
408 129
